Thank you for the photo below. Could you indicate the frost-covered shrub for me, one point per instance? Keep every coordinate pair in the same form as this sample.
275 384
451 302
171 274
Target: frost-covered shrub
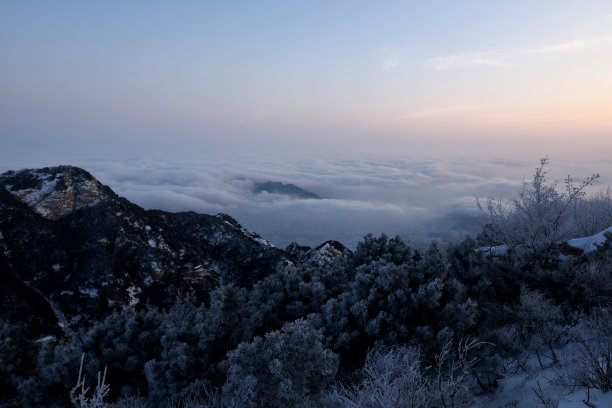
392 250
183 365
396 377
393 303
593 214
451 380
82 396
130 402
15 361
289 294
392 378
289 367
123 342
532 225
594 281
589 363
195 339
539 322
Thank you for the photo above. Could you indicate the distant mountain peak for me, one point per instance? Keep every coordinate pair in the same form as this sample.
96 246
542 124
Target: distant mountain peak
55 192
276 187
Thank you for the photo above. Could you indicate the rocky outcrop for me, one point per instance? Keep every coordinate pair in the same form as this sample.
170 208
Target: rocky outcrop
55 192
324 254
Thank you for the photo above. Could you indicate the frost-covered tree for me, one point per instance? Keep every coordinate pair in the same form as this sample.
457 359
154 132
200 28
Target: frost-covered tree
287 367
183 366
392 250
123 342
394 300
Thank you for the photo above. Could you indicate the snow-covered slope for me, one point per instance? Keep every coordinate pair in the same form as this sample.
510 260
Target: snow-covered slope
521 389
590 243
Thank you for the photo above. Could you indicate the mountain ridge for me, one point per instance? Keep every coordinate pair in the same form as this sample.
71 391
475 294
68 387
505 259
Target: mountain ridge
69 242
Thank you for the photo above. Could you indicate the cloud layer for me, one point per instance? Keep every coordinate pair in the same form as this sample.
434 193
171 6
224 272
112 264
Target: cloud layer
419 199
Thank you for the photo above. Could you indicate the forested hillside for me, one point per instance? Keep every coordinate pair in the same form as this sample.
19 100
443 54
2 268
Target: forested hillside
179 309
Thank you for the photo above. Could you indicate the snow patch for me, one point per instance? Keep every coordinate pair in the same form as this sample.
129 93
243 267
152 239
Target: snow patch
91 292
498 250
519 390
45 339
325 255
263 242
591 243
133 292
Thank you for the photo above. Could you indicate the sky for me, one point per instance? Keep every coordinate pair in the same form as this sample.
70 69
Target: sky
307 76
398 113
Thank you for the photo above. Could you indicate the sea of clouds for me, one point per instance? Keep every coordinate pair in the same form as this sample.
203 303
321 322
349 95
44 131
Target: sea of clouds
419 198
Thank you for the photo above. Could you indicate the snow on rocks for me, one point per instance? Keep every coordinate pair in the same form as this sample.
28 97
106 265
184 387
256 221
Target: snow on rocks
54 192
324 254
133 292
255 237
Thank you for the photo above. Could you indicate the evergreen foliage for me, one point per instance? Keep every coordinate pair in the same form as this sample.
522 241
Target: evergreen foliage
287 367
387 324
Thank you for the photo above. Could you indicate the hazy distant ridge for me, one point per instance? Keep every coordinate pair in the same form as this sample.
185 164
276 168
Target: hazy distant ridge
276 187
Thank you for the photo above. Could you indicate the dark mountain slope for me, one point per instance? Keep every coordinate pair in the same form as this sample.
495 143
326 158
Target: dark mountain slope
72 249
